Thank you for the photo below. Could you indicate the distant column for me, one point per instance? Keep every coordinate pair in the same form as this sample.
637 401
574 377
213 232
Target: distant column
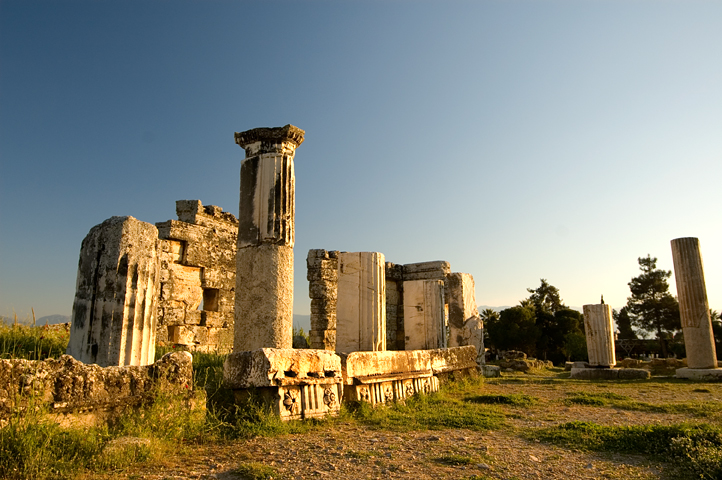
693 303
600 335
114 313
264 258
424 319
361 304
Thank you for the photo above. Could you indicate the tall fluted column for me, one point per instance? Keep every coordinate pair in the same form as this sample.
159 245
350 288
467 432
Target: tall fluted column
264 259
693 304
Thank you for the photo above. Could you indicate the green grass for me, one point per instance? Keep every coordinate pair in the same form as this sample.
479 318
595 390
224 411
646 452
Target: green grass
435 411
623 402
696 448
32 343
255 471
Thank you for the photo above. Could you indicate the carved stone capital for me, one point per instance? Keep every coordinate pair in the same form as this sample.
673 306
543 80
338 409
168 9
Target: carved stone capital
270 138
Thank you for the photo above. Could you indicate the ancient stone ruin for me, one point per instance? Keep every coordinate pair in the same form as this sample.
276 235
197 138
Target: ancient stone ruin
139 284
379 330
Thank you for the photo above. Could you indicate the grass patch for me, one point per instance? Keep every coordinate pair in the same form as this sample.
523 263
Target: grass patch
32 343
456 460
255 471
514 399
623 402
434 411
697 448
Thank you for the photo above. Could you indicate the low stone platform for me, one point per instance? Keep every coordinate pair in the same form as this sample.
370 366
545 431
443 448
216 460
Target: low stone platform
583 373
699 373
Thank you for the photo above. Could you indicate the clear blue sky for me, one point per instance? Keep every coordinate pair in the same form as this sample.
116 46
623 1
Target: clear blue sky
518 140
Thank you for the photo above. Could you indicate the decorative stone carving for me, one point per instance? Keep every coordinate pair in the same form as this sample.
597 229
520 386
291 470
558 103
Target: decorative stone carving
294 383
361 305
693 304
599 331
424 315
114 312
264 257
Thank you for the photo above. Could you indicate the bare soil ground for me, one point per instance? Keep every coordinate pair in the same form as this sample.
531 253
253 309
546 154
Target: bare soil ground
350 450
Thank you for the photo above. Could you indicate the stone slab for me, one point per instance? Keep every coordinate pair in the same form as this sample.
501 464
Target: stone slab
424 314
491 371
361 303
699 373
357 367
268 367
609 373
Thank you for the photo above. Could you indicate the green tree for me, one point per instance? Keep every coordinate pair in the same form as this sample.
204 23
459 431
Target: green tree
514 329
651 307
624 324
546 298
717 331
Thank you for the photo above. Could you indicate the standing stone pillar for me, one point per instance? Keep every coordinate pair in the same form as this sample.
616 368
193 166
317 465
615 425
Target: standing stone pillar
361 302
264 258
462 306
693 303
114 313
424 319
600 335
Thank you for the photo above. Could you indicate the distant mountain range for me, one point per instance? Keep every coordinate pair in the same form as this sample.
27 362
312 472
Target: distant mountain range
48 319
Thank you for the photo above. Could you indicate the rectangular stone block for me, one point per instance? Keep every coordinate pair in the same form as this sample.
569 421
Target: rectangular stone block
361 304
424 314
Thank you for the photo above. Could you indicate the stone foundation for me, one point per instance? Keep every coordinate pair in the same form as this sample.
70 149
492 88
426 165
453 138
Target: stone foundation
74 393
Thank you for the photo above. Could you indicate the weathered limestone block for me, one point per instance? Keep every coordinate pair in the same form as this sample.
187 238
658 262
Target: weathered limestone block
395 307
462 306
599 331
424 314
322 275
198 270
384 377
264 257
693 303
264 298
76 393
454 362
115 307
473 334
361 304
436 270
294 383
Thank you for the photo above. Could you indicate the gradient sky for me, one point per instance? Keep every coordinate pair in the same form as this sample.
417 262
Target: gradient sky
518 140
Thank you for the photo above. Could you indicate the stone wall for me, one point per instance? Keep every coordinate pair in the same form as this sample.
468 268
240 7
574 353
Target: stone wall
76 393
198 277
458 289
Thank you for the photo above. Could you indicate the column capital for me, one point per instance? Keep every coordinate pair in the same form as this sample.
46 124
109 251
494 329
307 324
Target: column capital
267 140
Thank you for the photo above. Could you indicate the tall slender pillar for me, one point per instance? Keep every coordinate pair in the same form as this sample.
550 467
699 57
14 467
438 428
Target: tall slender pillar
693 304
600 335
424 319
361 304
264 258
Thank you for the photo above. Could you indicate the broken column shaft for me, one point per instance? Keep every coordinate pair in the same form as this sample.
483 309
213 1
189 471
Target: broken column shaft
600 335
693 304
264 259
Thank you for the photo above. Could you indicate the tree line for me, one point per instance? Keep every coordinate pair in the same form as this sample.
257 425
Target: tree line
542 326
